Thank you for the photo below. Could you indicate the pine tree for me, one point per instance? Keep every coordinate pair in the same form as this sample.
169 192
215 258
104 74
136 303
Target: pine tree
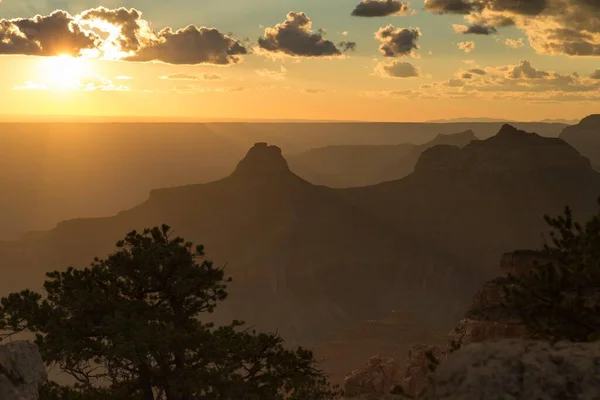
129 326
560 299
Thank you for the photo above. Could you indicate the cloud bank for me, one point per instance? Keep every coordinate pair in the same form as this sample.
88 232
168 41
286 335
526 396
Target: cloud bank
568 27
116 34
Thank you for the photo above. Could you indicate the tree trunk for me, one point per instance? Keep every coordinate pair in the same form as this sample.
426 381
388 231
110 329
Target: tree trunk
145 383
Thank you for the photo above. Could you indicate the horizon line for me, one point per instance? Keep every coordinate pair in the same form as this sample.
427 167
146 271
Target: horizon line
24 118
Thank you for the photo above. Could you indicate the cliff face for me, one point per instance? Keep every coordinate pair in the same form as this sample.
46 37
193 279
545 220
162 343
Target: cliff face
21 371
511 150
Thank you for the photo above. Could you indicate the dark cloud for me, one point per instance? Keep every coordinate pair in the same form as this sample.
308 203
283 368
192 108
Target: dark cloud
380 8
397 69
51 35
525 7
570 27
477 71
466 75
347 46
191 45
475 29
595 74
396 42
452 6
294 37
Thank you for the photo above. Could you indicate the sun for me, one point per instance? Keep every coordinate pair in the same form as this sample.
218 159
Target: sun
64 72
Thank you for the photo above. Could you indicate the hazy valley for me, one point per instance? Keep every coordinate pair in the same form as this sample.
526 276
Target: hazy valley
421 234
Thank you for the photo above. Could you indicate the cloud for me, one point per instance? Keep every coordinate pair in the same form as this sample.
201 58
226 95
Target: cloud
569 27
313 91
396 42
51 35
380 8
467 47
193 88
450 6
397 69
347 46
525 70
595 74
86 84
273 74
187 77
124 77
294 37
345 33
116 34
514 43
474 29
521 81
477 71
191 45
454 82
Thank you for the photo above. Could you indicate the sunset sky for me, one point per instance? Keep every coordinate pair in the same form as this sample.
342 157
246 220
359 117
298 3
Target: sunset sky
379 60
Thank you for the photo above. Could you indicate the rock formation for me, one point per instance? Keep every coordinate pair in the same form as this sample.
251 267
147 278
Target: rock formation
263 161
510 150
518 369
585 137
484 320
392 336
376 379
21 371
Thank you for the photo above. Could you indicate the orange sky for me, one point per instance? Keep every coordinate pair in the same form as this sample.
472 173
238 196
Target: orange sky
419 63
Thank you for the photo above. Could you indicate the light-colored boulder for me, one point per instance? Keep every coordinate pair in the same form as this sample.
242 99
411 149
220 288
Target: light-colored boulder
21 371
519 369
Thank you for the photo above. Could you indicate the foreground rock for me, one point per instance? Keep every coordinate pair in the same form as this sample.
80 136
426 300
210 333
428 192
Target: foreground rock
21 371
519 369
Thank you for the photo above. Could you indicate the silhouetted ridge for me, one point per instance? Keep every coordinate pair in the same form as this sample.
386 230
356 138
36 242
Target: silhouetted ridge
585 137
454 138
262 160
590 122
510 149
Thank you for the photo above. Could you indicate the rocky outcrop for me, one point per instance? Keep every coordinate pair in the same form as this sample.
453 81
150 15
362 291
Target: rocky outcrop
485 320
262 160
392 336
414 375
585 137
374 380
510 150
518 369
21 371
